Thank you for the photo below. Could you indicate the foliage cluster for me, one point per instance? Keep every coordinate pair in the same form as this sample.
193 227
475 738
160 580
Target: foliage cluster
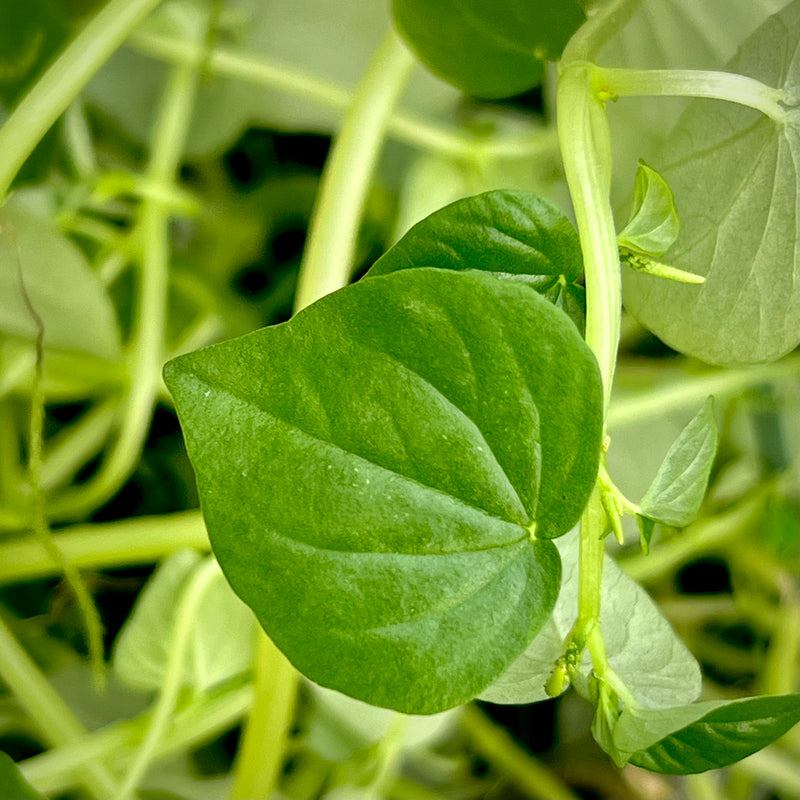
407 486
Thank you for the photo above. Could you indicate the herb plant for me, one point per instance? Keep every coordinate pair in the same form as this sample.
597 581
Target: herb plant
409 485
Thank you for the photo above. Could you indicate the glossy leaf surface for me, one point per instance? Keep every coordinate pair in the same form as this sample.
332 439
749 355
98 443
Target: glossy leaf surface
703 736
677 491
371 472
642 647
740 226
513 234
489 49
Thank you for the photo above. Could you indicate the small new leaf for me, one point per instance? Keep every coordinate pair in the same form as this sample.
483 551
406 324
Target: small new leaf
653 226
676 493
695 738
371 472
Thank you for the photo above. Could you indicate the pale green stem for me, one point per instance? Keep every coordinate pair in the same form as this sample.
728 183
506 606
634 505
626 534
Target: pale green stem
333 231
148 340
690 391
75 445
78 139
247 67
692 83
174 671
53 718
590 580
603 669
262 751
138 540
586 151
64 79
255 68
59 769
389 757
498 748
608 485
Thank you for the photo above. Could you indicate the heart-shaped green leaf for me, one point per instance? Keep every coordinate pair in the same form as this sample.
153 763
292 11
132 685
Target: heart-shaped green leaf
489 48
512 234
379 476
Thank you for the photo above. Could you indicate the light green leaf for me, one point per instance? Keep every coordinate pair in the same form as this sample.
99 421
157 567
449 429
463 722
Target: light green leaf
703 736
734 173
371 473
653 225
489 49
13 785
670 34
514 235
642 647
222 637
76 311
679 487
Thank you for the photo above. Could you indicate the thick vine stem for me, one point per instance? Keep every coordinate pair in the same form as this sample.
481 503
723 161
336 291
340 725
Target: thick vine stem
328 257
590 580
586 151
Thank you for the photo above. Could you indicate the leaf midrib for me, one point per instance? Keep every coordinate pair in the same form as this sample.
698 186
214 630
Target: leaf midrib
294 426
